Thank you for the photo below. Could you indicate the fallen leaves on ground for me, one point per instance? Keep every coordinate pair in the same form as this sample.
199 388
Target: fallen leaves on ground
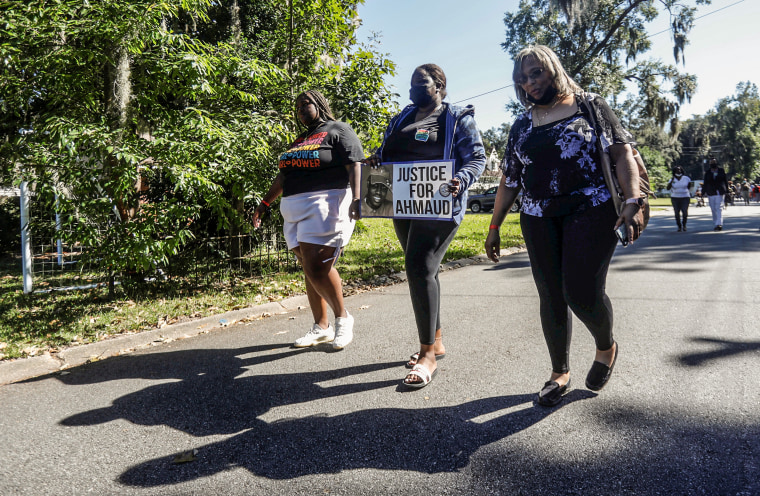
186 456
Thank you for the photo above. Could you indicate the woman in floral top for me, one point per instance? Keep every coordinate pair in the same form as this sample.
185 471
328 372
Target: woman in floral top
568 218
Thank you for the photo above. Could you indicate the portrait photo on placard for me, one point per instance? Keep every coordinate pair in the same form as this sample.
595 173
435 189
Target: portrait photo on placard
377 190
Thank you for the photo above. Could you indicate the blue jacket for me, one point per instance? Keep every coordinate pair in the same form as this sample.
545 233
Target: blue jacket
462 143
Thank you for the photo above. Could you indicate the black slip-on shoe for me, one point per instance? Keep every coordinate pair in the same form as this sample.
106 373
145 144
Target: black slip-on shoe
600 373
551 394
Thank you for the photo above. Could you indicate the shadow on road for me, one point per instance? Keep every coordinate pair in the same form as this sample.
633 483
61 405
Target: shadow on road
725 348
644 451
383 438
208 398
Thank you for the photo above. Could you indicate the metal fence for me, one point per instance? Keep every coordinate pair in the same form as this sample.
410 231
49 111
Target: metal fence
218 259
54 265
204 261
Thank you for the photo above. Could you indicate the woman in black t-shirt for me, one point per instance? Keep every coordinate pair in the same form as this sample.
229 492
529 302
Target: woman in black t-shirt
568 218
319 183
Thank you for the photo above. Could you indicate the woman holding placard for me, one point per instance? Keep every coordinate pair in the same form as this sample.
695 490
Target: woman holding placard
430 130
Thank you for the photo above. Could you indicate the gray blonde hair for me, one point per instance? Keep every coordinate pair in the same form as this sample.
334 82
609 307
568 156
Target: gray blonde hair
550 62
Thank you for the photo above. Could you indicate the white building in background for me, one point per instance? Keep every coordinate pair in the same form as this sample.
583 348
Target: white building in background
492 162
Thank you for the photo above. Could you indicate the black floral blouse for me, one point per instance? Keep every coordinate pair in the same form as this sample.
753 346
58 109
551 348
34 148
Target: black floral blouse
557 165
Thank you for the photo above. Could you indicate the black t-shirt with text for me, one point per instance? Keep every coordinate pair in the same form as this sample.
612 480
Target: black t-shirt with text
317 160
416 141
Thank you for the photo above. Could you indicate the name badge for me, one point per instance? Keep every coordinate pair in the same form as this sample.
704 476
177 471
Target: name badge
422 135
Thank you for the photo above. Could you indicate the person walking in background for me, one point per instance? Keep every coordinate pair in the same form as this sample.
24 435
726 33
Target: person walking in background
431 129
679 196
745 191
568 218
715 187
730 192
319 183
699 196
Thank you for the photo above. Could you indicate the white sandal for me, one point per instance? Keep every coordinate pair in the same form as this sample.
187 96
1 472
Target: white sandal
423 373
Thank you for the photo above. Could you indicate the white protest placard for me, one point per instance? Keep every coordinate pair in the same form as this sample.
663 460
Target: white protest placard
407 190
420 190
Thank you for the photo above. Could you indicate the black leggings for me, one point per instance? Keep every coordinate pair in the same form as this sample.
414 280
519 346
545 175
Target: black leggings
680 206
424 243
569 257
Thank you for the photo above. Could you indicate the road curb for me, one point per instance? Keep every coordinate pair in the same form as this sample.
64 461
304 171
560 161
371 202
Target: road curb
28 368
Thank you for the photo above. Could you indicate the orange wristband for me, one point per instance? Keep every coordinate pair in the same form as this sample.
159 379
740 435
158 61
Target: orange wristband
265 203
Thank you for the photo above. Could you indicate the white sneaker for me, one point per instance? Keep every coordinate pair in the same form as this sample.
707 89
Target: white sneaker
315 336
344 331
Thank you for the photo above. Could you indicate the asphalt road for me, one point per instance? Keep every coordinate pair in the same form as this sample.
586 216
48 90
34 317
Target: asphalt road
680 416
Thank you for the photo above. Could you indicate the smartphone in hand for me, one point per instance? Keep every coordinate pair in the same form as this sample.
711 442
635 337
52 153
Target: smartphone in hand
622 235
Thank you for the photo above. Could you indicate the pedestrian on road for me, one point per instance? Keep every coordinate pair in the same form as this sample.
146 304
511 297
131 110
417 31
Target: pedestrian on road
745 192
431 129
568 218
680 196
319 183
715 186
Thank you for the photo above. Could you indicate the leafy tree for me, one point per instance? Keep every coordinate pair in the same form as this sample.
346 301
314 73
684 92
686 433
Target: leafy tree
730 132
132 119
496 139
600 42
736 121
695 137
659 149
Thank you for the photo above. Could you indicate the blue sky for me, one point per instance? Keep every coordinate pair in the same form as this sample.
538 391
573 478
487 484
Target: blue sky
465 38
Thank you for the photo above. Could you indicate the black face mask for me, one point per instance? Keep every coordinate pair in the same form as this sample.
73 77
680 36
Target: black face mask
548 96
419 96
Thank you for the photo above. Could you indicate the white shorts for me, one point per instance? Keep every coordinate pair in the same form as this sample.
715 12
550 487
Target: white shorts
318 217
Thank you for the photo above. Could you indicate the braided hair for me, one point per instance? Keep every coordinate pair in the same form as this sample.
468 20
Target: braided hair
323 106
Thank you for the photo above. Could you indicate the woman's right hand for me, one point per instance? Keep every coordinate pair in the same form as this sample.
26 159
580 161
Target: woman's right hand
632 218
493 244
372 161
258 214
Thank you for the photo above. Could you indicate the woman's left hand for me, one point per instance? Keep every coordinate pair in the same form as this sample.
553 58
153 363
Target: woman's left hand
633 219
355 211
454 185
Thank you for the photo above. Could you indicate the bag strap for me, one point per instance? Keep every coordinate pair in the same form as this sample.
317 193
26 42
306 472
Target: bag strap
610 178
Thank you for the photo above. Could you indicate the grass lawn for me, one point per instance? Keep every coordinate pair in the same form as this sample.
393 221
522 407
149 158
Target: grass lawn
660 203
40 322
